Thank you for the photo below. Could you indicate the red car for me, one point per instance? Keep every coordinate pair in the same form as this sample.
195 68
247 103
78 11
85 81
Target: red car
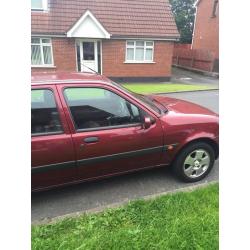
85 127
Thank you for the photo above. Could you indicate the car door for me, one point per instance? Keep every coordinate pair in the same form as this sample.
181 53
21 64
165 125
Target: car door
107 131
53 156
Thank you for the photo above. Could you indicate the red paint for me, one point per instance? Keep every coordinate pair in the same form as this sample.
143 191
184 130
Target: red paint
183 123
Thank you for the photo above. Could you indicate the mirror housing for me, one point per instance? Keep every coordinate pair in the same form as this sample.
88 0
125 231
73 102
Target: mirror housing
147 122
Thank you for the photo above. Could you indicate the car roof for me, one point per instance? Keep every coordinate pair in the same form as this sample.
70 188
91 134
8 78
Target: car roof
67 77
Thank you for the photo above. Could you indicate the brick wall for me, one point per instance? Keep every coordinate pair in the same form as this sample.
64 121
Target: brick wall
64 55
182 46
206 33
113 57
113 65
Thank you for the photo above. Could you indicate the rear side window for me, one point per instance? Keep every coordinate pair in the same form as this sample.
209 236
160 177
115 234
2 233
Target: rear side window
93 108
44 113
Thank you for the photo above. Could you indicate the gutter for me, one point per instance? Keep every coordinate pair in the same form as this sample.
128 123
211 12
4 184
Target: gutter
64 35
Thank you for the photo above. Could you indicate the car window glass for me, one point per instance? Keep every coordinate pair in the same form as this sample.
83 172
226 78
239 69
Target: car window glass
44 113
97 107
142 98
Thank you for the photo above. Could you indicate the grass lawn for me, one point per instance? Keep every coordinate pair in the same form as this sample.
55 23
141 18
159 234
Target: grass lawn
179 221
163 88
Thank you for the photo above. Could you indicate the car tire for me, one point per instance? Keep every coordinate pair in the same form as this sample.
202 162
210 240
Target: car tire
194 162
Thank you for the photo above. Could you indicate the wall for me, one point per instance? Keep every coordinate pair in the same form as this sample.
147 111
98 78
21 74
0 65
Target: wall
64 55
114 52
113 57
182 46
206 33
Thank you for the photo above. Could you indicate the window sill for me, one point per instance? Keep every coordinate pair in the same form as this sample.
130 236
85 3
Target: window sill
39 10
43 66
138 62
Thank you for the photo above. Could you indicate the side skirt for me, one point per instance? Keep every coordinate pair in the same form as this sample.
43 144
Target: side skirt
96 178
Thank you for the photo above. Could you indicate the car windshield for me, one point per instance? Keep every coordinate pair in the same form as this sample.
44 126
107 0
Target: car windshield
146 100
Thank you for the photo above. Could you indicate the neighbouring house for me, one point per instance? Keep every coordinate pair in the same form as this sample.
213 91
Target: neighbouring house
122 39
206 28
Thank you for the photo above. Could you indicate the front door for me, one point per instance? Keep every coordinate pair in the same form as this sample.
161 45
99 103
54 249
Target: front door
108 133
89 56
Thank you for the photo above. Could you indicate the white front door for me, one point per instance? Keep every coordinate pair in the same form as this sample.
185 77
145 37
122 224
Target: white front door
89 57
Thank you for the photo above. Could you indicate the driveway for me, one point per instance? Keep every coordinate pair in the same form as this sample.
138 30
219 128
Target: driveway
92 195
188 77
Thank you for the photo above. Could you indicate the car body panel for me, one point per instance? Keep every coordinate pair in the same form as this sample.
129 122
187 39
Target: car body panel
53 156
126 145
186 122
181 106
69 159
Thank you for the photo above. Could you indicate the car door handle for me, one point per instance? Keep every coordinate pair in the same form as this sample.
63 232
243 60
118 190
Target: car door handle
91 139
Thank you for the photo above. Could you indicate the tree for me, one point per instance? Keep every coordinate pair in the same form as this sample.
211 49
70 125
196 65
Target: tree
184 13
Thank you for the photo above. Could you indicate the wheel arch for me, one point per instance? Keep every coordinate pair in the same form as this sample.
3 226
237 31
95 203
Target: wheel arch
207 140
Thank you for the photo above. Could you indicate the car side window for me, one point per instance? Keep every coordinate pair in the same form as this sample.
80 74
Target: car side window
44 114
97 108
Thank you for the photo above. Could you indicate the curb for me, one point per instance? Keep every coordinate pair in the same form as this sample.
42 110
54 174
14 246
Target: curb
119 204
202 72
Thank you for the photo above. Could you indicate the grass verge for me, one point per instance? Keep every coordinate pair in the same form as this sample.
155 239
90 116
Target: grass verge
186 220
164 88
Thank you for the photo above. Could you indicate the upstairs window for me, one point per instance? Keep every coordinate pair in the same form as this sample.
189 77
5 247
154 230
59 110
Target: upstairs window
39 5
41 52
139 51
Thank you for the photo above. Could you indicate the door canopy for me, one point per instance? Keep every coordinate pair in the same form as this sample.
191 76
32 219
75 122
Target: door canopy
88 27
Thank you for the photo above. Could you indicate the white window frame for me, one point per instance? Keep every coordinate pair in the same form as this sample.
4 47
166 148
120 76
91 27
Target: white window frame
41 44
145 46
44 6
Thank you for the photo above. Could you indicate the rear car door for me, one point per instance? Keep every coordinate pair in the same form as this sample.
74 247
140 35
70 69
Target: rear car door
53 156
107 131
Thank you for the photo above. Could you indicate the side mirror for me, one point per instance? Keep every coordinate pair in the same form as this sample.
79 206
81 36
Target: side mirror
147 122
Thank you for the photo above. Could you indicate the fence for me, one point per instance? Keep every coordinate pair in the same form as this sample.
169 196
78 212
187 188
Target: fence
182 46
193 58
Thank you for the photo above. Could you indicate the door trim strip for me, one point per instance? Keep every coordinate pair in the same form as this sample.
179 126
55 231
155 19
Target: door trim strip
93 160
55 166
118 156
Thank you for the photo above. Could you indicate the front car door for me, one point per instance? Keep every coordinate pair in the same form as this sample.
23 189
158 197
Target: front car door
53 158
107 131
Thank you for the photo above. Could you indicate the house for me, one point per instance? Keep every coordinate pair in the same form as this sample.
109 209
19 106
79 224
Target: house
122 39
206 28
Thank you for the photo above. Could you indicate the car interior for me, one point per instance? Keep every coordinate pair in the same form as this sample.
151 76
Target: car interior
103 112
44 115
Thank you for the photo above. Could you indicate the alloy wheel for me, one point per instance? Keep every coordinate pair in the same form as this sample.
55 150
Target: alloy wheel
196 163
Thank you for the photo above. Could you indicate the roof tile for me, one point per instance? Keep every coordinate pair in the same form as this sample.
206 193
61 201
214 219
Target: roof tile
119 17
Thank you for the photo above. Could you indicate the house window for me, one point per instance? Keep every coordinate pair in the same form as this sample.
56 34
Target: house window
41 51
139 51
39 5
215 8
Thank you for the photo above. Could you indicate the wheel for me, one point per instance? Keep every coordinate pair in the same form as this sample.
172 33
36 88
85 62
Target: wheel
194 162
